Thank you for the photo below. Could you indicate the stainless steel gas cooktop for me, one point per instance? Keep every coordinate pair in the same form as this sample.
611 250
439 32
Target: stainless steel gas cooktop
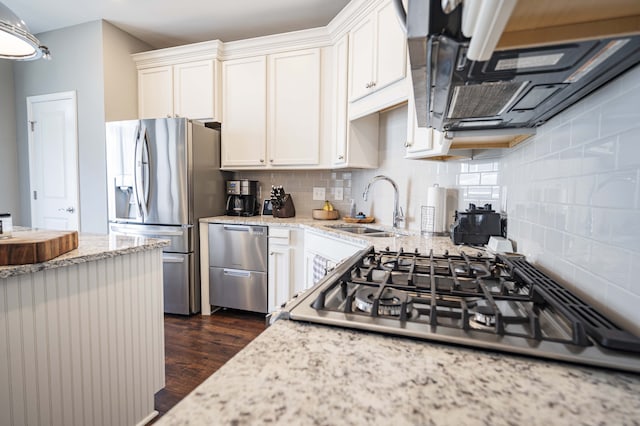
501 303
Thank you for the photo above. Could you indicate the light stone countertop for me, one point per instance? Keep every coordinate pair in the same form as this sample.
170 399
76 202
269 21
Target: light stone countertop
90 247
407 239
297 373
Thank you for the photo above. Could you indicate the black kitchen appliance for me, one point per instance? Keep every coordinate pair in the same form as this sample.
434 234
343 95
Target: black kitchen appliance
475 225
500 303
242 198
517 88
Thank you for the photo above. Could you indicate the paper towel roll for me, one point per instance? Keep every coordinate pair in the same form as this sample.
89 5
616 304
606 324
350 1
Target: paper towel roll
436 210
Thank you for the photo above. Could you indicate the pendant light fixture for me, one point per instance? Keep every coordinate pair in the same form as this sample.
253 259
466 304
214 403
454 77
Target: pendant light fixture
16 42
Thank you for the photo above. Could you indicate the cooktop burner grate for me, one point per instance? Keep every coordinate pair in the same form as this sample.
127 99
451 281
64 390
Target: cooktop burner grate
505 296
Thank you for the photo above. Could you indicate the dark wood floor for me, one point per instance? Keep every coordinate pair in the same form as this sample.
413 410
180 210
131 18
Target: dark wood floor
197 346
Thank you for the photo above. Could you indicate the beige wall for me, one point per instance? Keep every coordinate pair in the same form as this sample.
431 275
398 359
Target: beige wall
120 75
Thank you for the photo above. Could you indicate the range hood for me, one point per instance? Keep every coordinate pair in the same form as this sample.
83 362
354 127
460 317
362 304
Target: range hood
516 88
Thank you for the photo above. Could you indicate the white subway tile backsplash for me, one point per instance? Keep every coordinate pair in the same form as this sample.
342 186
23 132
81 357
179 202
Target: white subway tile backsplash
621 113
585 127
628 154
561 137
616 190
599 156
622 304
468 179
489 178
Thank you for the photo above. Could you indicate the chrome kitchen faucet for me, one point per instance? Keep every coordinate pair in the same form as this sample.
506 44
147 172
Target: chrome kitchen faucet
398 215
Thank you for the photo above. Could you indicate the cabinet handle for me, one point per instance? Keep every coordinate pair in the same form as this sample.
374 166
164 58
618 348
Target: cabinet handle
168 115
373 83
407 144
271 160
271 254
340 157
262 160
368 86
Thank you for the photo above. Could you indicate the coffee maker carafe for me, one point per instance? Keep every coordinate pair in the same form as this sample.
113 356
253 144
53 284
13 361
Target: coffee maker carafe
242 197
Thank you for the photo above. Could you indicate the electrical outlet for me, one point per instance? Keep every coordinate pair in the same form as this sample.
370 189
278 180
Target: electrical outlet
338 194
319 194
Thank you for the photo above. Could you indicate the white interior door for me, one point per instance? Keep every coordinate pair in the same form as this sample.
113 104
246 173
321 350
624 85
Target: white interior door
53 161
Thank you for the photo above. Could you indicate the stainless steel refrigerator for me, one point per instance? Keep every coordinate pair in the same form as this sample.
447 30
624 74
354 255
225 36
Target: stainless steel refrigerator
163 175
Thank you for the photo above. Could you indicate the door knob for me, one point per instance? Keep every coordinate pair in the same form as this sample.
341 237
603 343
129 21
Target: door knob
68 209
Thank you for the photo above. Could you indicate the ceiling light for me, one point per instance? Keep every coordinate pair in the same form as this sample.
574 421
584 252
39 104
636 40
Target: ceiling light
16 42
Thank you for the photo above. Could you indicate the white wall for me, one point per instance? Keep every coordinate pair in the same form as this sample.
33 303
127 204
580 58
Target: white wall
76 64
9 196
79 56
574 197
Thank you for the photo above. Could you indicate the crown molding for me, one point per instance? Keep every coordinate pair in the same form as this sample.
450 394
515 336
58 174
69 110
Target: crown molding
276 43
325 36
174 55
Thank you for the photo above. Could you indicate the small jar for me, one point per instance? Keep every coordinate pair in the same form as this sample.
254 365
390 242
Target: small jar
6 225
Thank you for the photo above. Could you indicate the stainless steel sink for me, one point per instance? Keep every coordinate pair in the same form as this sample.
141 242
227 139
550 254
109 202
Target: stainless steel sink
363 230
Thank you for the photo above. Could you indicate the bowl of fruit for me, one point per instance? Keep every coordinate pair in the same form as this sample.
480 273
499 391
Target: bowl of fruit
327 212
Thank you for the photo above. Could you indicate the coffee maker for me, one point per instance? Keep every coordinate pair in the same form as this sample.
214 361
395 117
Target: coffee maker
242 197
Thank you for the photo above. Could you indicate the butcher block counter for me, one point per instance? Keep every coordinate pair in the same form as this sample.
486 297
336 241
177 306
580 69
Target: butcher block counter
82 334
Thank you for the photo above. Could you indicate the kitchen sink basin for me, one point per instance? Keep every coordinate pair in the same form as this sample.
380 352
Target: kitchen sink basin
363 230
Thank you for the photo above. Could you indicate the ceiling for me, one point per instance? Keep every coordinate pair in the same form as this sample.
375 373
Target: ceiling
168 23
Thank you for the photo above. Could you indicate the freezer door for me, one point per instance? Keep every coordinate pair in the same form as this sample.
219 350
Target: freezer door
238 289
177 271
124 199
180 237
163 170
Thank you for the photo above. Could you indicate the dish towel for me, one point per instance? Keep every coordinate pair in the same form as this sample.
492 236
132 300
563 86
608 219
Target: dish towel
320 265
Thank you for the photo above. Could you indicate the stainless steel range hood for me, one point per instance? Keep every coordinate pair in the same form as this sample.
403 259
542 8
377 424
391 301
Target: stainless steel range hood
525 81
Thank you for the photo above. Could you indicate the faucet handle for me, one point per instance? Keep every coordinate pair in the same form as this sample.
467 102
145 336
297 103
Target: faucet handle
401 215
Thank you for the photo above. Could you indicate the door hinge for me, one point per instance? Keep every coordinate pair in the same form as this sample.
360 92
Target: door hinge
35 195
32 124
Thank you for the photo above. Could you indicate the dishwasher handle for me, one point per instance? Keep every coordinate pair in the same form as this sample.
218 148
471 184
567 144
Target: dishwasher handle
236 273
245 228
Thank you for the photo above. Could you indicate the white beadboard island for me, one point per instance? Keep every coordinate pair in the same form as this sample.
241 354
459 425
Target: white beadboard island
82 335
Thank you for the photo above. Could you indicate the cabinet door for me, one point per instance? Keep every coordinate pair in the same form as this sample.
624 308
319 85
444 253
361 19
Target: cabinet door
244 112
280 289
155 92
418 138
294 108
361 57
193 89
391 50
341 52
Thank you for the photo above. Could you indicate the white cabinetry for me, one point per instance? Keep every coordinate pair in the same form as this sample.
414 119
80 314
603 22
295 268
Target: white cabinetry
377 59
182 90
355 143
244 112
322 247
179 82
155 92
423 142
285 265
272 116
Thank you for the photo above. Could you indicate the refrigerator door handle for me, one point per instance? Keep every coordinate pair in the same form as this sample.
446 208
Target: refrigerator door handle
145 171
136 174
151 233
172 259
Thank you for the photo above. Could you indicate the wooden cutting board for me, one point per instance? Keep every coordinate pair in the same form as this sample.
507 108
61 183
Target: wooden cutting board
36 246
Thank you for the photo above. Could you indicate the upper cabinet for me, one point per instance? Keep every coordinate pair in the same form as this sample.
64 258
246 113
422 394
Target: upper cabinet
377 52
355 142
377 62
244 111
271 110
180 82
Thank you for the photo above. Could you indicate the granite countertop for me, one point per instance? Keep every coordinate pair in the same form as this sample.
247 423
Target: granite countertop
300 373
406 239
90 247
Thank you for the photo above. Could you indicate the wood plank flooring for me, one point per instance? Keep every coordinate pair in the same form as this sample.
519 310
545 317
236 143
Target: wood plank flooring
196 346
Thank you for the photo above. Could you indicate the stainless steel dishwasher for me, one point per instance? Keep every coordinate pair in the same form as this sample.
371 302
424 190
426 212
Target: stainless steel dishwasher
238 266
